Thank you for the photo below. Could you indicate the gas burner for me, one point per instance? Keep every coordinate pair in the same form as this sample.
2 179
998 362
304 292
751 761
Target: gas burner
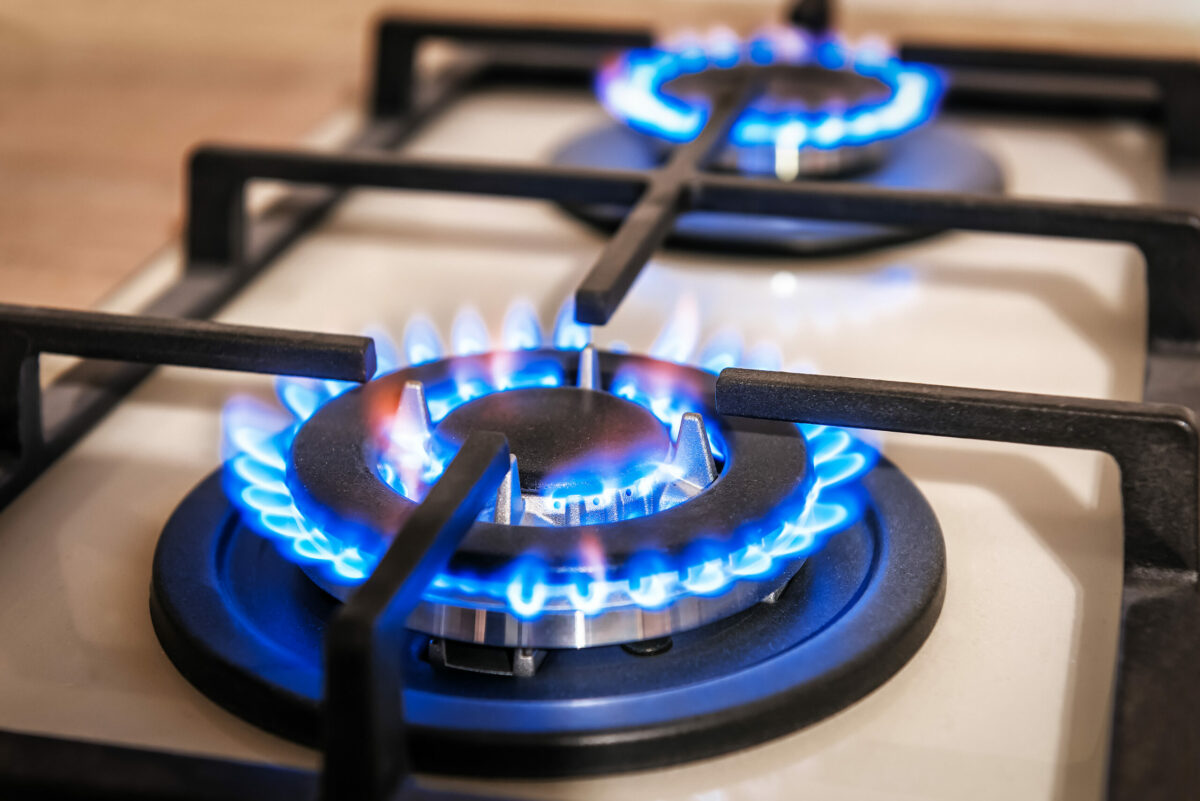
822 109
613 534
246 626
632 509
642 543
794 146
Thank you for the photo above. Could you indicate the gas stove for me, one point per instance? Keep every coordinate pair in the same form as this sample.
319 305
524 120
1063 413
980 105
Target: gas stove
625 449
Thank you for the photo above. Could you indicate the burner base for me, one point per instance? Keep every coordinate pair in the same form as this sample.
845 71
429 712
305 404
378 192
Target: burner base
245 626
936 158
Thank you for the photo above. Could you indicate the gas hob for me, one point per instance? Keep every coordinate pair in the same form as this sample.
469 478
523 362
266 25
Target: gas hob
606 511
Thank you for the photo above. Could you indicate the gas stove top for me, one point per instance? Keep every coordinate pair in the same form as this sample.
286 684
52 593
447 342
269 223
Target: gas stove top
601 507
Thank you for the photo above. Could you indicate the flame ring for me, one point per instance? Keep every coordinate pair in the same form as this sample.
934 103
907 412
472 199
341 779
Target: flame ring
525 587
328 445
631 88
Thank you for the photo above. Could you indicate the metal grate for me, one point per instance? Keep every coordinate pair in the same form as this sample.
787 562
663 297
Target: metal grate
1155 735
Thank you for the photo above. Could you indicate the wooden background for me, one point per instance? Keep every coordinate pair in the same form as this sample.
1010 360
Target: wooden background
101 99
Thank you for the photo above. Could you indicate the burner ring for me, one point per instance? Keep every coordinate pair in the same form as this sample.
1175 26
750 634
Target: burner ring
633 87
787 156
766 474
246 627
334 481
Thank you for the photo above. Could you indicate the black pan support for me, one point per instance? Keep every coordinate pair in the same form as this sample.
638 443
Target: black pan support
1155 725
225 249
35 431
1155 741
366 758
1168 239
1017 81
1163 90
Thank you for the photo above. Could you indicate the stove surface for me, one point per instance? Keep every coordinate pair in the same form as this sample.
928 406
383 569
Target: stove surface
1008 698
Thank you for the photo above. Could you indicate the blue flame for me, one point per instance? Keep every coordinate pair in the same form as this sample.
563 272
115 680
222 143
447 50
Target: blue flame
258 440
421 341
723 349
569 334
631 89
681 333
255 479
469 333
669 407
763 356
521 330
475 381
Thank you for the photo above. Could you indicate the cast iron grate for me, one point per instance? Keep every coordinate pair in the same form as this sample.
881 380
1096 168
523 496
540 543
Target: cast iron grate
1155 734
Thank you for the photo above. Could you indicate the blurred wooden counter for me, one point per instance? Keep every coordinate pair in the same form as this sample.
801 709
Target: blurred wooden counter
100 101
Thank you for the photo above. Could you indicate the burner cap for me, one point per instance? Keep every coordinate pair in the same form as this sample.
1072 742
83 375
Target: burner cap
591 430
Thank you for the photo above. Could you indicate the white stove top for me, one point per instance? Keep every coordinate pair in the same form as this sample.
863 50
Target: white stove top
1009 697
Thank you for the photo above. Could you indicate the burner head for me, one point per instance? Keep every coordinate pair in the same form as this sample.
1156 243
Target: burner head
632 509
662 539
703 561
559 433
822 108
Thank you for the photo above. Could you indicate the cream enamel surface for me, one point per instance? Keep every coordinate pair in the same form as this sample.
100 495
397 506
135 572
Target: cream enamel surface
1008 698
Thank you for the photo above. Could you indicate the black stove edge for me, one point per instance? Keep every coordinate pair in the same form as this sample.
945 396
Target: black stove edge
1156 726
45 767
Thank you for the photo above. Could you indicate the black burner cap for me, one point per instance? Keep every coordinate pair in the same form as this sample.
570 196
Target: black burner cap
556 430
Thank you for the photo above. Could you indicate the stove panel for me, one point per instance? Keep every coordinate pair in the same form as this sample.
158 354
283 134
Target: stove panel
994 702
